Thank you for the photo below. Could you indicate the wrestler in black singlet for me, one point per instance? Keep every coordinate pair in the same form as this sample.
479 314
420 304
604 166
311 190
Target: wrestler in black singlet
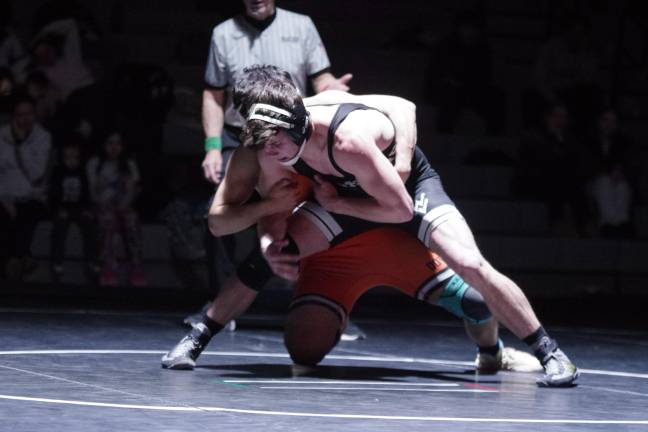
423 184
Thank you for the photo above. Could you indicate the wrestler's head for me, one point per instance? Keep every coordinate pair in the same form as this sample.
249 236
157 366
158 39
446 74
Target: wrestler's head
259 9
267 97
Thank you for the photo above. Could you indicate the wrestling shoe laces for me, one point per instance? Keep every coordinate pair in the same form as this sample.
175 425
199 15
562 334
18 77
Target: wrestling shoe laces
183 356
559 370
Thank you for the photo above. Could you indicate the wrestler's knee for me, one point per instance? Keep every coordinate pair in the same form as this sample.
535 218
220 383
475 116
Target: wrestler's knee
471 265
311 332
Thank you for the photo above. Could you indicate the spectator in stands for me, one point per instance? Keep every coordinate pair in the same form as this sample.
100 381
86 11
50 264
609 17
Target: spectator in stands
114 184
70 204
25 149
551 169
302 54
609 146
182 216
613 200
460 77
56 51
45 97
7 88
567 69
55 10
10 47
613 169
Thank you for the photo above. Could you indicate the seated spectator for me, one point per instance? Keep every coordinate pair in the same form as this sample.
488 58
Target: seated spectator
89 31
613 198
114 184
7 88
44 95
184 217
460 77
25 149
70 204
56 51
609 146
613 171
551 169
567 69
10 47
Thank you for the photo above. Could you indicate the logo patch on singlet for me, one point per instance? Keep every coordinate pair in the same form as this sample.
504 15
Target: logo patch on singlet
434 265
421 204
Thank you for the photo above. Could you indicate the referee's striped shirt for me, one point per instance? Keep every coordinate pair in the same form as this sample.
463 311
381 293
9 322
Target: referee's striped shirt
291 42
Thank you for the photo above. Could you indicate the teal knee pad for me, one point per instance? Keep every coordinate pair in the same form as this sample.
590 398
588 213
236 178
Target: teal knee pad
463 301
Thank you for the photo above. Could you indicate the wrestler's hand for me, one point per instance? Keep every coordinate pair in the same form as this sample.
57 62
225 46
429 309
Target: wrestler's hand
284 195
282 264
325 193
212 166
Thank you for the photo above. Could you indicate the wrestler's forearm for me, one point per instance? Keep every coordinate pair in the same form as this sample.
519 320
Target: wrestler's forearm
230 219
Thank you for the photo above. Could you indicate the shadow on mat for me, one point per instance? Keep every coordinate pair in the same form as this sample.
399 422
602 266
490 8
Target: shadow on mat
265 370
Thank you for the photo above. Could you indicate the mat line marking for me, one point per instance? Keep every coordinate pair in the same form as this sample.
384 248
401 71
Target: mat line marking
326 387
322 415
607 389
261 412
355 382
95 386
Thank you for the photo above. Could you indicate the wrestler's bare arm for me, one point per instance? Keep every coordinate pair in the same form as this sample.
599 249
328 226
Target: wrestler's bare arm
230 212
357 150
400 111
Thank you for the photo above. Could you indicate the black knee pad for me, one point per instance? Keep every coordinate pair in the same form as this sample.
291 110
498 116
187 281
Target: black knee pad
474 306
464 301
254 271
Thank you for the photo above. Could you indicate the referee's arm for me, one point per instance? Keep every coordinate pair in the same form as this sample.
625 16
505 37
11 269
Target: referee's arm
213 114
327 81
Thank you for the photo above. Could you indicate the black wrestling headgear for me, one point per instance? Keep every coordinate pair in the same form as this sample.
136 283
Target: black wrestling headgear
295 124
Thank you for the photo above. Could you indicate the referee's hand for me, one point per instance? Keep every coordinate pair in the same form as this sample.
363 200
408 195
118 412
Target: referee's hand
212 166
340 83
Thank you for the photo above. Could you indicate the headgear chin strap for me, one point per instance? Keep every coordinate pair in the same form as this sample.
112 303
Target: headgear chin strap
296 125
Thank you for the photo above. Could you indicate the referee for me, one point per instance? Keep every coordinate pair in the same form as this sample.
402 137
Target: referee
264 34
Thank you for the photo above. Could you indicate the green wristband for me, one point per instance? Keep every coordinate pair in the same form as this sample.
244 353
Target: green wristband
213 143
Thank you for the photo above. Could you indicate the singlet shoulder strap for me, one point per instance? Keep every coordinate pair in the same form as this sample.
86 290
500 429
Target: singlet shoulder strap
340 115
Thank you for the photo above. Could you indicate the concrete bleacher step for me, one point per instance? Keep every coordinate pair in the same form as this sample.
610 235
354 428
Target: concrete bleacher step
556 255
145 48
523 218
536 255
183 139
556 285
455 149
162 21
192 76
156 255
462 181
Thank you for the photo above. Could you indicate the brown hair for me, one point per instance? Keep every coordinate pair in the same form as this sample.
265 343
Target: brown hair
264 84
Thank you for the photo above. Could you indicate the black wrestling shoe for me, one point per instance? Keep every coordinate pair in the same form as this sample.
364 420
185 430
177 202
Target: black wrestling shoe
183 356
559 370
